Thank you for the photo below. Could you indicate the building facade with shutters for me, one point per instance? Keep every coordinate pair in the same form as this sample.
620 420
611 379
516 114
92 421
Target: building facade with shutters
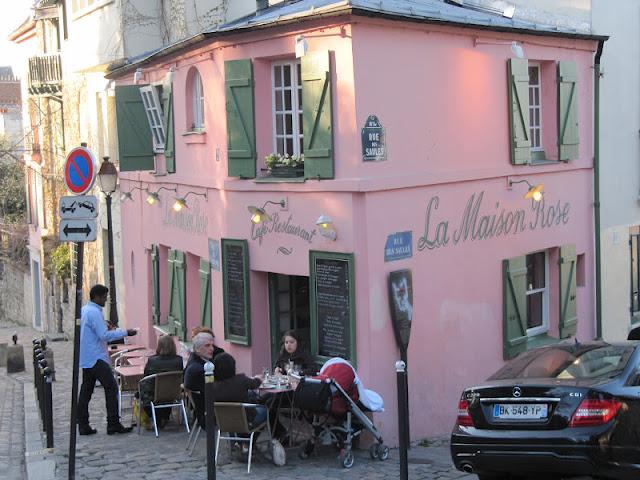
422 130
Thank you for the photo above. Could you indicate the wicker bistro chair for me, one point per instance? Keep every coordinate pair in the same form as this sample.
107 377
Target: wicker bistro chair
232 417
167 394
126 388
195 428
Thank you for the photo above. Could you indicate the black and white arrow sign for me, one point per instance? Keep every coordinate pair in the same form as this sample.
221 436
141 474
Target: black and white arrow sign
83 230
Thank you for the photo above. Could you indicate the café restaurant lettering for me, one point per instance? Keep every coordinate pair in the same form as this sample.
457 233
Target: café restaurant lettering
259 231
191 220
479 222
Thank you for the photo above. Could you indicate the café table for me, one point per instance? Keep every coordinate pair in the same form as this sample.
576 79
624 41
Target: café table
276 395
141 352
138 361
119 347
130 375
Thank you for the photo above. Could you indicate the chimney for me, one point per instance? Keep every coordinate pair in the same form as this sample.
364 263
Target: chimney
261 5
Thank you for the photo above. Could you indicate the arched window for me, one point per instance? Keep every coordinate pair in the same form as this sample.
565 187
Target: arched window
196 117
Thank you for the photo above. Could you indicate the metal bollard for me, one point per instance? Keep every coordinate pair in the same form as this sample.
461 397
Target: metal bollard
210 420
48 409
36 351
403 411
42 364
48 356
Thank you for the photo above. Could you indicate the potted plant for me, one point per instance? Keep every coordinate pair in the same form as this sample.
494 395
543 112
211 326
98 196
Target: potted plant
285 165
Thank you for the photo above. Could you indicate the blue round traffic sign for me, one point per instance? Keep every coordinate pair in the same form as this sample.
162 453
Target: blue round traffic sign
80 170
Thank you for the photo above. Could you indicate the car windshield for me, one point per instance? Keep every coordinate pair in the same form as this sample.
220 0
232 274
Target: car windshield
568 362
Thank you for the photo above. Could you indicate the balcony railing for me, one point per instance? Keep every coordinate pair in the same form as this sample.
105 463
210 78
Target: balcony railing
45 74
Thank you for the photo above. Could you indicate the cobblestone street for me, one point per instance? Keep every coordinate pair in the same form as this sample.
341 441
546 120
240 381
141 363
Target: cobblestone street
145 457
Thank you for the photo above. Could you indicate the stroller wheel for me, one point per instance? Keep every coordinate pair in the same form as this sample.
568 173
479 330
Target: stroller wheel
346 458
373 451
382 452
307 449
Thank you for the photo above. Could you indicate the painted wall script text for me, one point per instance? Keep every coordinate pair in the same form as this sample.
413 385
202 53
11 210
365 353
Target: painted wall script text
258 232
479 224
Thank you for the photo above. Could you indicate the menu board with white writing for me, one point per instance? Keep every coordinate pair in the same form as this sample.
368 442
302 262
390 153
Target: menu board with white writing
235 272
333 307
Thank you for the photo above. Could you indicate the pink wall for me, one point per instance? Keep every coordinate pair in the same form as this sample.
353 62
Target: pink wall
442 98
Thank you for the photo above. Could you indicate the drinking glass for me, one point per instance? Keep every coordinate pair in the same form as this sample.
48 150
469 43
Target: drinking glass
265 374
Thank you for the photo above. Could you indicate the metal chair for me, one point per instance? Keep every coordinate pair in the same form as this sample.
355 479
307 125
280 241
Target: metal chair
232 417
167 394
195 428
125 389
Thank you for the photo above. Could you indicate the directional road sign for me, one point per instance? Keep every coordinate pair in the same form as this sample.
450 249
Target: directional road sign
81 206
80 170
81 230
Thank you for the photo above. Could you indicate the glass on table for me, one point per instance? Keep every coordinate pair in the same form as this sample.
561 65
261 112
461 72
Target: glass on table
265 374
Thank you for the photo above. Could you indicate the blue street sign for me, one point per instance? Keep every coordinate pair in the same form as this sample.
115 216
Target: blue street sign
399 245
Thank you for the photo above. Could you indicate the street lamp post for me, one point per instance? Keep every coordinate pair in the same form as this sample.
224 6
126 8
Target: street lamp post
108 179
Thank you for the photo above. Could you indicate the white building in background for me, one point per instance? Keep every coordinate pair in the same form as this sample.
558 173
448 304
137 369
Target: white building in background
620 163
11 109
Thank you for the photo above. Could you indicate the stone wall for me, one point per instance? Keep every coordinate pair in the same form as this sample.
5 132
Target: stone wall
15 301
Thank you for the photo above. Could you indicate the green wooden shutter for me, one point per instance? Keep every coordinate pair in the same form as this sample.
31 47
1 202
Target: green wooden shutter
568 310
317 122
518 79
134 136
568 138
205 292
155 283
169 135
514 301
177 294
241 130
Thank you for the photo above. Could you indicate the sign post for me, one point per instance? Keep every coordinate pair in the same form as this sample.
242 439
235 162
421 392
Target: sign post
78 225
401 304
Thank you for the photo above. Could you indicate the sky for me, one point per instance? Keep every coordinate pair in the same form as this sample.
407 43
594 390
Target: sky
10 19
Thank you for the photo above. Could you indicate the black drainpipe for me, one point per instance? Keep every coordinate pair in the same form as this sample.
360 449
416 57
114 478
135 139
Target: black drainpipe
596 188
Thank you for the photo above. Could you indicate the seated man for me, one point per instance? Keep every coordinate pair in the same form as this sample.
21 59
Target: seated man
203 351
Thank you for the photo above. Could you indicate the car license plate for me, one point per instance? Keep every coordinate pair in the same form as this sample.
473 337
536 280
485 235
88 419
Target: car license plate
520 411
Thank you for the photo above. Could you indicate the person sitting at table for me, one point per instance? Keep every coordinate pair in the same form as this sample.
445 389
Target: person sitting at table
230 386
203 351
292 351
165 360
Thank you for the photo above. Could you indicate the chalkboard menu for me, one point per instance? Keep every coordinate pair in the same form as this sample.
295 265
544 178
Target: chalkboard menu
333 306
235 279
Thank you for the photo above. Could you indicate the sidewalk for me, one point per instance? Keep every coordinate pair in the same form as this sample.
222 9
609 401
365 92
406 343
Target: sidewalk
145 457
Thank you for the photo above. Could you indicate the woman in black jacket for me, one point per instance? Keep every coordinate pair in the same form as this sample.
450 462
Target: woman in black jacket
165 360
291 351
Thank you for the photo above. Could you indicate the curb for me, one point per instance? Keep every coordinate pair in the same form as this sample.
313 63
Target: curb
39 461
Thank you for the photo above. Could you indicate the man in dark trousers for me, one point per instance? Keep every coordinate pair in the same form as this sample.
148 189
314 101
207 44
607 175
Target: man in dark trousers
94 361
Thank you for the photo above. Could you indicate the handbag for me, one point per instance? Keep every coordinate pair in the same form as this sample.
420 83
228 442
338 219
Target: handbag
145 421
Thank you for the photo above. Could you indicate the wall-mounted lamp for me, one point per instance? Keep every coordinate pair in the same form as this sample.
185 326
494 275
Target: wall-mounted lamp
181 202
127 195
516 48
327 229
535 191
301 46
169 76
153 197
259 214
137 75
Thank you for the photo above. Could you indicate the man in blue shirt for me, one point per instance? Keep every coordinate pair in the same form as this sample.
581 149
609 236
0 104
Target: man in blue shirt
94 361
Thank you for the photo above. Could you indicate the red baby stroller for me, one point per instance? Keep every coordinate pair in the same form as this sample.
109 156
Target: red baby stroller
333 404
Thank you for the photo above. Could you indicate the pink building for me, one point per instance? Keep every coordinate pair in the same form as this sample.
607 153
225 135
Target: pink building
414 124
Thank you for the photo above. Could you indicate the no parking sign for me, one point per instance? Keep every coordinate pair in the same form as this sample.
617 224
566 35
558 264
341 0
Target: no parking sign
80 170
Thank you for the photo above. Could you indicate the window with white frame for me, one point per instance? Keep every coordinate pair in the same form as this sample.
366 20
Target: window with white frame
287 108
537 293
535 107
197 99
153 107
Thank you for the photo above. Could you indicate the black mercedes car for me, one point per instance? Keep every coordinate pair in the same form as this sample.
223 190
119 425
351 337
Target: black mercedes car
554 412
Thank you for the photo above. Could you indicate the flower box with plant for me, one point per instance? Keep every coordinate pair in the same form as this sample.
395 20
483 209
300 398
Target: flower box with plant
285 165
